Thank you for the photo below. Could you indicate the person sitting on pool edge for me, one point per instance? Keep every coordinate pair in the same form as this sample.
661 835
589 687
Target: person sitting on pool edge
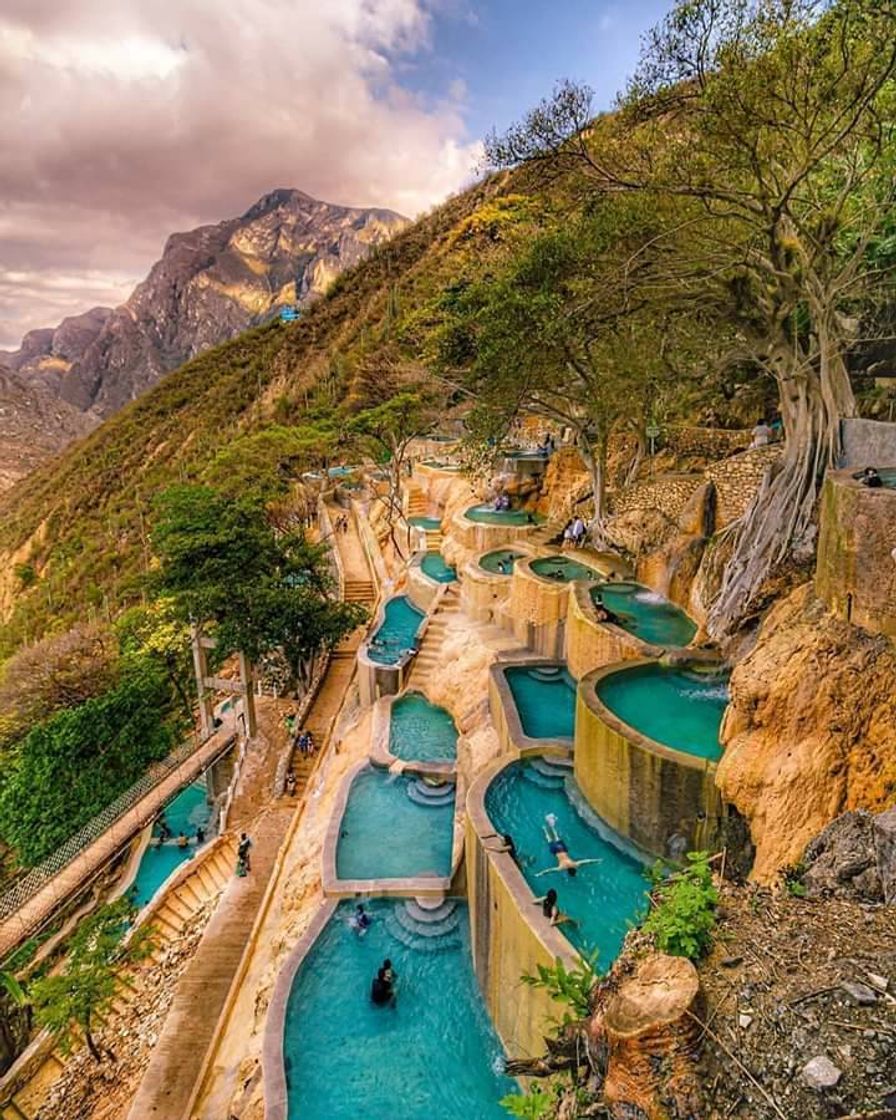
550 907
509 848
604 614
559 850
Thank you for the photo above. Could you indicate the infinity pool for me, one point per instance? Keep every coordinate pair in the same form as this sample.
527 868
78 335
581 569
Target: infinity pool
434 1056
562 569
422 731
500 562
680 708
486 514
395 828
185 813
396 633
646 614
428 523
433 564
603 898
545 697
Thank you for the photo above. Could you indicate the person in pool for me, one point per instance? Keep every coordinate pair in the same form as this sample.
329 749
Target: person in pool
870 477
360 921
507 846
389 973
559 850
604 614
382 992
550 908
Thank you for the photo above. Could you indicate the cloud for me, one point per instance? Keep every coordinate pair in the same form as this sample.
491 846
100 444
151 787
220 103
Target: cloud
123 123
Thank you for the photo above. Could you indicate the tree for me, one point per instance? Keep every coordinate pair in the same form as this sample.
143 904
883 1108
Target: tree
15 1018
154 631
77 997
775 119
223 564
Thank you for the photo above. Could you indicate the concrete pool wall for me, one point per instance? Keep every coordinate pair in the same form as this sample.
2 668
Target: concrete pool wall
484 594
537 607
593 645
647 792
509 935
479 536
506 717
855 574
376 679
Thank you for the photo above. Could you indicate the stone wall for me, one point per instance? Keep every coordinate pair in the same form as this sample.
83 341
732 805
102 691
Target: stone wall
737 479
710 443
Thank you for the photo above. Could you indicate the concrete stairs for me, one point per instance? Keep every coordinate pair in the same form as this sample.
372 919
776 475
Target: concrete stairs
181 903
549 533
359 591
416 502
430 654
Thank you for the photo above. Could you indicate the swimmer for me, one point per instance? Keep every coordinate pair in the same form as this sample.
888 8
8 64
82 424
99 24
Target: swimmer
507 846
559 850
381 990
550 908
360 921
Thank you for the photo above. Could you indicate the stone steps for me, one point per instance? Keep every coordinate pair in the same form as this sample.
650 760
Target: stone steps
551 767
543 781
430 909
427 929
422 793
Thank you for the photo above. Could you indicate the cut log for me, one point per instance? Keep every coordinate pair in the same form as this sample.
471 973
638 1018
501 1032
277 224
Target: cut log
645 1040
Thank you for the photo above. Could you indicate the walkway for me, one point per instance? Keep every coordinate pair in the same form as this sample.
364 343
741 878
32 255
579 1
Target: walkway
83 868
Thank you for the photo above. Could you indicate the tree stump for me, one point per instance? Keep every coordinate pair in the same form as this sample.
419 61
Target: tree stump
645 1043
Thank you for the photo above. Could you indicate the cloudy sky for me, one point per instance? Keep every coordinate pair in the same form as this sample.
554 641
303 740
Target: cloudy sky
123 121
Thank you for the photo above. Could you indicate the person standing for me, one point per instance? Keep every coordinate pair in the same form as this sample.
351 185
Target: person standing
242 854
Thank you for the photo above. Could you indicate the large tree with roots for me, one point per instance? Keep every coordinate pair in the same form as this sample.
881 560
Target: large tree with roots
776 119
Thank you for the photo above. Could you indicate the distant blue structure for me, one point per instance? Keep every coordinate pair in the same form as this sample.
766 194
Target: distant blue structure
289 314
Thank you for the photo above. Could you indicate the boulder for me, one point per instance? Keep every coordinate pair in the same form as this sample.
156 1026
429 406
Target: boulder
885 852
842 859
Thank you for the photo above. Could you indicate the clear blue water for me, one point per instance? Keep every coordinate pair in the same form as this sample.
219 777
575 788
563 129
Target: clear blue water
562 569
433 1056
434 565
604 897
341 472
646 614
430 523
499 562
545 700
386 835
184 813
486 514
396 633
677 707
888 477
422 731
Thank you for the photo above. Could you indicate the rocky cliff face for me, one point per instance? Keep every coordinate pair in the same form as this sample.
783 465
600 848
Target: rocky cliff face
811 731
209 285
34 424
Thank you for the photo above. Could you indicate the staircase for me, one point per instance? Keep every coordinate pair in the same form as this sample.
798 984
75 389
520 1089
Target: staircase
430 654
547 773
427 925
182 902
547 534
359 591
416 502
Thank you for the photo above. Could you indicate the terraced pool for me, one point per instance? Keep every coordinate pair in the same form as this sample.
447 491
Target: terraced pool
500 562
486 514
545 697
396 633
646 614
563 569
185 813
433 564
421 731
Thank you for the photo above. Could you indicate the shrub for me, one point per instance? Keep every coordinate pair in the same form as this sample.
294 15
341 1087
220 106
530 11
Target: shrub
685 913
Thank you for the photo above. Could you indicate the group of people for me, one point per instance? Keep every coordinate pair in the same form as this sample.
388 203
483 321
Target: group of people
575 532
341 525
767 432
163 834
869 477
502 502
306 744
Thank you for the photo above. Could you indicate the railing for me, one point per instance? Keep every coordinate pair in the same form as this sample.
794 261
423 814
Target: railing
33 881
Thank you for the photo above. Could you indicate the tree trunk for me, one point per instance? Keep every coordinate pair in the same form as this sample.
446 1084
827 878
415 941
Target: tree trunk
814 395
645 1040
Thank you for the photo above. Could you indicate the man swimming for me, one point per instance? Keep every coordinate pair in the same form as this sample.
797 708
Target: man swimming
558 849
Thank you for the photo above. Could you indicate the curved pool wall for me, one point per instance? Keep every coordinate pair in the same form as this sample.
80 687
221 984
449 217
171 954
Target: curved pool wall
485 590
427 575
855 573
414 735
510 935
591 644
517 728
384 659
480 536
538 604
382 841
329 1054
663 800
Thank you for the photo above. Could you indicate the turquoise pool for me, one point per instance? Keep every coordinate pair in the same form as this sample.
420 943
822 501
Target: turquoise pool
545 697
431 524
680 708
434 1056
647 614
562 569
433 564
422 731
486 514
500 562
189 810
395 827
396 633
604 897
888 477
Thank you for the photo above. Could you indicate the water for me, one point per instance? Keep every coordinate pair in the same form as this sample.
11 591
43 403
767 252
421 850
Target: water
562 569
888 477
431 1057
429 523
434 566
500 562
440 466
422 731
486 514
604 898
545 698
184 813
340 472
396 633
677 707
386 835
647 615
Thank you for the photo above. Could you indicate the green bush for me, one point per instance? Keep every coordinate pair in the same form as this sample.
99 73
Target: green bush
685 913
569 986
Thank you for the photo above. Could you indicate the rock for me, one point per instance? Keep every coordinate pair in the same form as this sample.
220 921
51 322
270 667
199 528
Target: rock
744 1020
879 982
859 993
732 962
820 1073
842 859
885 851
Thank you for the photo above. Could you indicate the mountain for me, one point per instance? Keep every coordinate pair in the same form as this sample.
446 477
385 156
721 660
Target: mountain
34 424
208 286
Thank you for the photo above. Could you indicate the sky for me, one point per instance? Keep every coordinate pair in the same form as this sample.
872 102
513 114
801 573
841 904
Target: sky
121 123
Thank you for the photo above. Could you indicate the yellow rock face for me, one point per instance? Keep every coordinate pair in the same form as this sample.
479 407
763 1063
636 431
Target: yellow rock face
811 731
